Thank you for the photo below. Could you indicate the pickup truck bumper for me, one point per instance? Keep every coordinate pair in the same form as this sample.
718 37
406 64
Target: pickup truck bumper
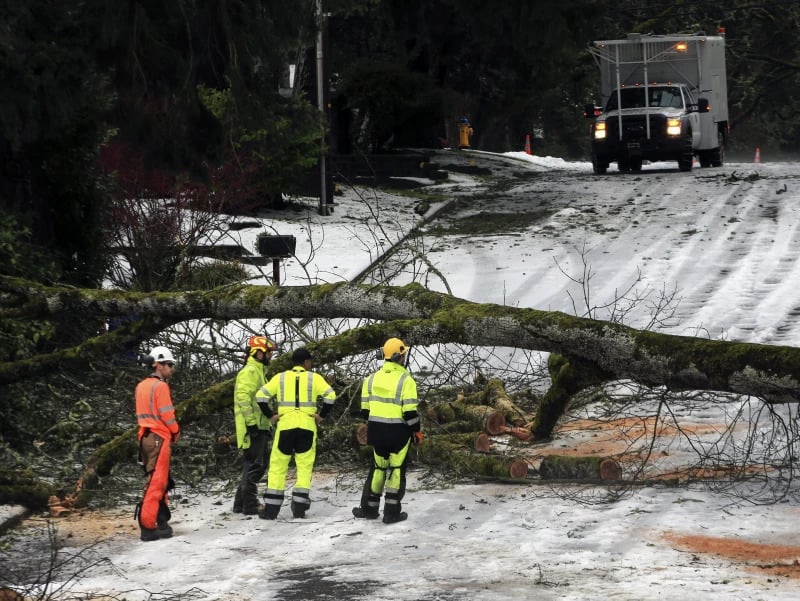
653 149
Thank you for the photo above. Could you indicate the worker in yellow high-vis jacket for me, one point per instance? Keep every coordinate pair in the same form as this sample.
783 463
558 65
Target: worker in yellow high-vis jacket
253 428
295 394
389 403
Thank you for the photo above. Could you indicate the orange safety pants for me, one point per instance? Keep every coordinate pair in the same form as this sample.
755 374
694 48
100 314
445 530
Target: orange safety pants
155 453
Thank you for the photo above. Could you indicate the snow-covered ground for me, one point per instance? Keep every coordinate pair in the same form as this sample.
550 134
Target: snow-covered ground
723 243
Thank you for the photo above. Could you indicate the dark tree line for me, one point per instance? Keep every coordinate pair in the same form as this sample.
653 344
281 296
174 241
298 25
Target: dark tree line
112 100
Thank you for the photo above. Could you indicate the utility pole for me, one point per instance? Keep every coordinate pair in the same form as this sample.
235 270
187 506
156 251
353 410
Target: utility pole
323 193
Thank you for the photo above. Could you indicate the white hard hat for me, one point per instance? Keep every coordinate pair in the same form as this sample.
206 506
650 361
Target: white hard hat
161 354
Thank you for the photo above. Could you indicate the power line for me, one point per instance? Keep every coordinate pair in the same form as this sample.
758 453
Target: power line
694 9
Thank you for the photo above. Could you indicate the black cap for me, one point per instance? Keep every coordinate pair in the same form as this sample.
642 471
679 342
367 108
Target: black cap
300 356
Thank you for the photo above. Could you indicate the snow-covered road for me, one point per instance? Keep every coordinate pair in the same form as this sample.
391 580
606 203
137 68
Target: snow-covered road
726 238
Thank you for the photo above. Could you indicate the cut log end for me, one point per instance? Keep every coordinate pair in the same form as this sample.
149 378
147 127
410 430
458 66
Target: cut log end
518 469
495 423
7 594
361 434
483 443
58 507
610 469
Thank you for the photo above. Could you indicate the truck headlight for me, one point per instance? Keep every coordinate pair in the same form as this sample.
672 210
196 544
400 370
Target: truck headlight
673 127
600 131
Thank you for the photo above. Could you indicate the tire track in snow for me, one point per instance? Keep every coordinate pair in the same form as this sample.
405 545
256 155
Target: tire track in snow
752 265
730 245
768 310
714 240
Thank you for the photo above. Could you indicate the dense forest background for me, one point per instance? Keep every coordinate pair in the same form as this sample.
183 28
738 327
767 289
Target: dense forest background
108 102
112 100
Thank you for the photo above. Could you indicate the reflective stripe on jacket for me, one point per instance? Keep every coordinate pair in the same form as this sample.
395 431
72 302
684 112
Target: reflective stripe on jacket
390 396
296 390
154 408
246 411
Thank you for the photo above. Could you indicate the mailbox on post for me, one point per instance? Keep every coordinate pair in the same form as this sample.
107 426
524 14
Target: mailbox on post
276 247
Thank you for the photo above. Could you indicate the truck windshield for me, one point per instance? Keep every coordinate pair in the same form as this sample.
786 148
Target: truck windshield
669 96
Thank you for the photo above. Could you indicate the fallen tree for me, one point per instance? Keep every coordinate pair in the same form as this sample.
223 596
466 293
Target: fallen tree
583 352
611 350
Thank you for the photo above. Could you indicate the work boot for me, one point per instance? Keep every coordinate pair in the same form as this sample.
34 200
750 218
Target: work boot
149 534
164 514
252 509
298 510
370 514
269 512
237 502
391 518
250 505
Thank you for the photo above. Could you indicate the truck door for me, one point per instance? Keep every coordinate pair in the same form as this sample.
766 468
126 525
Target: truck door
693 117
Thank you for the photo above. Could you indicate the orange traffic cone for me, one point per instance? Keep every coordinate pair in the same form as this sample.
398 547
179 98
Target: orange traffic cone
527 144
758 155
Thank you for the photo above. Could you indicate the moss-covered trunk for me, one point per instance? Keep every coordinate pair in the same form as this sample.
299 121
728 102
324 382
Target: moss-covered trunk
558 467
22 487
423 317
568 376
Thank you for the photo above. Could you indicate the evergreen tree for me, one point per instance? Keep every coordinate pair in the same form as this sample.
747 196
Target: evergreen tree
53 116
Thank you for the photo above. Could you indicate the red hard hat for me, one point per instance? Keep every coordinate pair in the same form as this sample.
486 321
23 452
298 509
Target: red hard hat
261 343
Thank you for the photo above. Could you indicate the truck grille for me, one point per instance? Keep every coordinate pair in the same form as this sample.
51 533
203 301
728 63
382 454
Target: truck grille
634 127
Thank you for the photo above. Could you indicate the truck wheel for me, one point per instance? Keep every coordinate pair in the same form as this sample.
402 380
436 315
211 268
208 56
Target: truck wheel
636 165
599 166
717 154
686 158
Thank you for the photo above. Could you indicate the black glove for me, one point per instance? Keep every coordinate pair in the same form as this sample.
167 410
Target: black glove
265 409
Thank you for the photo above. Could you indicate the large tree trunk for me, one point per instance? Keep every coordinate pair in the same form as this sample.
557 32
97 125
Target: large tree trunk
567 377
616 351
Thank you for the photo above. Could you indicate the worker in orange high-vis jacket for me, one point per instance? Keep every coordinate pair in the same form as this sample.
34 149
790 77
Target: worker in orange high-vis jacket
295 393
158 429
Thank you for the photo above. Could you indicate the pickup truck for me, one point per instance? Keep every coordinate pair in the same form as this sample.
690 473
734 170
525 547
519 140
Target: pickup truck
665 99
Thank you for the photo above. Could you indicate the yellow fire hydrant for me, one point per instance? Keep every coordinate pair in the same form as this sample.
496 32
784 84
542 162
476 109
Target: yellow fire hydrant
464 132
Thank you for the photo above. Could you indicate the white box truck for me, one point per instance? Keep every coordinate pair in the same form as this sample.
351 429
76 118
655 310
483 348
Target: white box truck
664 98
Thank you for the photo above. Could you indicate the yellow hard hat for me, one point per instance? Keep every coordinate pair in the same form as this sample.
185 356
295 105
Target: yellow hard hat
394 348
